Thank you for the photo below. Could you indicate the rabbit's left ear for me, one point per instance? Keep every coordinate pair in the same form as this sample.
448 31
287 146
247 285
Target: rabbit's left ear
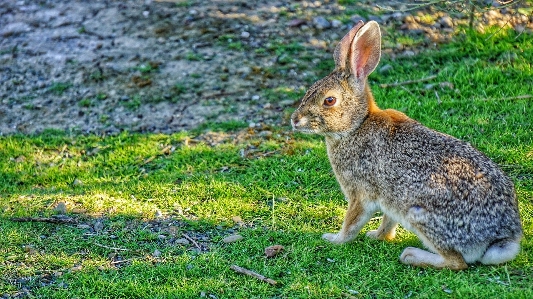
365 50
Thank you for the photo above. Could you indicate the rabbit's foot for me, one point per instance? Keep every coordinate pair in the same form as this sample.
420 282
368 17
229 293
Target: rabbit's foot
421 258
376 234
335 238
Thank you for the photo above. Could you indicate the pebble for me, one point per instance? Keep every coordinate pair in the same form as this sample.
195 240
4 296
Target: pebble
336 23
408 53
182 241
156 253
245 34
357 18
321 23
232 238
446 22
255 97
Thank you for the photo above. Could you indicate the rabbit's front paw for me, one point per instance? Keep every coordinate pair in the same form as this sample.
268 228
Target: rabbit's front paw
334 238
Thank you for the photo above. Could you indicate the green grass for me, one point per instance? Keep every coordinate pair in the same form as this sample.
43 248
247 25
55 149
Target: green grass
281 186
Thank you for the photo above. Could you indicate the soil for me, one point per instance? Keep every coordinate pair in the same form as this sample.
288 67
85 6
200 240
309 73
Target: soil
172 65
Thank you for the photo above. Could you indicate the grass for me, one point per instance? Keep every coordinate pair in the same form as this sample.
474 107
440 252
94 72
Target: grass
281 186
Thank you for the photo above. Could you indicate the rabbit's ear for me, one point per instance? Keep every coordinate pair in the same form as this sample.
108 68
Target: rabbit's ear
365 50
343 48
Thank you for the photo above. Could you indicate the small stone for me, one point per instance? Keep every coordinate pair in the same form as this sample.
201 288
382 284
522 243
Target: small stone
156 253
357 18
146 13
408 53
232 238
321 23
193 12
336 23
245 34
161 237
77 182
60 208
182 241
446 22
158 214
265 133
255 97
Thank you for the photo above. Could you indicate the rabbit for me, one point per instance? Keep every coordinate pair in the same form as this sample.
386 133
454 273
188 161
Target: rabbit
457 201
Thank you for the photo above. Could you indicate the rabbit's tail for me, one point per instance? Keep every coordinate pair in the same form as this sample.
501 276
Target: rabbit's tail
501 251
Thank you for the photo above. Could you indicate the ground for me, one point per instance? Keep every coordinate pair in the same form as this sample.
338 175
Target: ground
171 65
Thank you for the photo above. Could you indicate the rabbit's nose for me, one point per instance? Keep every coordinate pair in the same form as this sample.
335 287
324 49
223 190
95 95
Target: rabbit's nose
297 121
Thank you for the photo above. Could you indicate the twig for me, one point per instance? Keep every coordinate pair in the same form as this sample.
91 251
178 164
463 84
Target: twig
408 82
193 242
253 274
111 248
121 261
56 220
522 97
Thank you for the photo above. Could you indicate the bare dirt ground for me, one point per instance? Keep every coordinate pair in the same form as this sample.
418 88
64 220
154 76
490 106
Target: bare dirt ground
166 66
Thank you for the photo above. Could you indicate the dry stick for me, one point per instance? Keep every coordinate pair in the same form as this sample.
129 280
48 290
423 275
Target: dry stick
121 261
193 242
522 97
111 248
65 220
408 82
253 274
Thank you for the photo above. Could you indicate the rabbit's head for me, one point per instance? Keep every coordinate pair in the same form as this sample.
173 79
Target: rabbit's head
341 101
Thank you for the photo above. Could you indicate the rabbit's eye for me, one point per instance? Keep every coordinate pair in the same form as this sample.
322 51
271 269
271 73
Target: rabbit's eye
330 101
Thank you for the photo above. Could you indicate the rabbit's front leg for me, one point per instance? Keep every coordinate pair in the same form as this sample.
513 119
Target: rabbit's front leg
356 217
386 230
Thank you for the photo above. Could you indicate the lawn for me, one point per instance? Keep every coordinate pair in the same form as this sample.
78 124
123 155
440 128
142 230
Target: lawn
151 210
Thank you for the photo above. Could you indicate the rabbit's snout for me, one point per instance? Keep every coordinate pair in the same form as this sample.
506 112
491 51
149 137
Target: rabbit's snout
298 121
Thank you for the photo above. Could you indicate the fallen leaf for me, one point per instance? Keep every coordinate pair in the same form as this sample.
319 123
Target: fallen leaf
272 251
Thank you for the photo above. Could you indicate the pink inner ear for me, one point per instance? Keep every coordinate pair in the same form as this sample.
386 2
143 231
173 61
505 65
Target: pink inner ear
366 51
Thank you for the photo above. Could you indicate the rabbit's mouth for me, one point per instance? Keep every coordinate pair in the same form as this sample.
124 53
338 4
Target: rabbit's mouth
302 125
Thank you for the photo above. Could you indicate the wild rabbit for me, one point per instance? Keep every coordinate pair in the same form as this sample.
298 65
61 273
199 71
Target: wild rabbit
455 199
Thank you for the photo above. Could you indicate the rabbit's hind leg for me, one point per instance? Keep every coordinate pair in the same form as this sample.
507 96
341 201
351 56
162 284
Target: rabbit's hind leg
386 230
450 259
501 252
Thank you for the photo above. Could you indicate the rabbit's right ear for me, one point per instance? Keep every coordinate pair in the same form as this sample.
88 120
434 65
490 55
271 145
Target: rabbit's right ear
342 51
365 50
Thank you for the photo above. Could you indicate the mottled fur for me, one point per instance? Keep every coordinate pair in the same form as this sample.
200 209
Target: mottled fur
455 199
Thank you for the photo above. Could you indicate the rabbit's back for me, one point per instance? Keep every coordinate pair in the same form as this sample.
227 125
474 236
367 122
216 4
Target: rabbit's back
429 180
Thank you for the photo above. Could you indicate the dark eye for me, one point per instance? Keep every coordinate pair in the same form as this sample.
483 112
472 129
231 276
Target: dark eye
330 101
